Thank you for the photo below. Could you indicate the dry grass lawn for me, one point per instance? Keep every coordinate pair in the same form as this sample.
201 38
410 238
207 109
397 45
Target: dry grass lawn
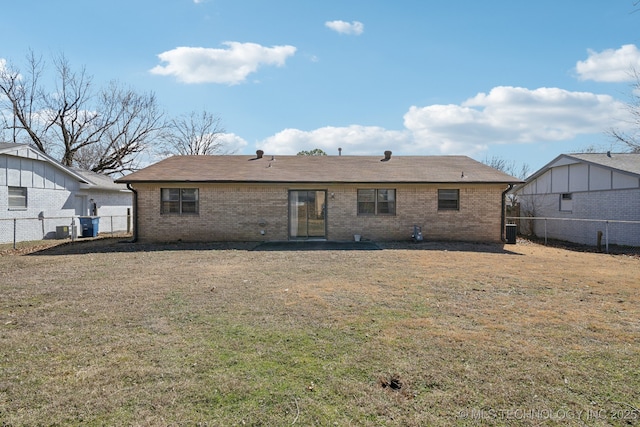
102 332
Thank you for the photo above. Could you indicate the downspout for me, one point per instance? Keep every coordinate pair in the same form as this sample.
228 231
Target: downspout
135 213
503 216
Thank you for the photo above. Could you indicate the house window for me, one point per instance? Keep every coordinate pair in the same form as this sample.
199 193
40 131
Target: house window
372 201
448 200
566 202
17 198
179 201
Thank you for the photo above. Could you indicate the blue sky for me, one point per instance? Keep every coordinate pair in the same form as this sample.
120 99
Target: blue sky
520 80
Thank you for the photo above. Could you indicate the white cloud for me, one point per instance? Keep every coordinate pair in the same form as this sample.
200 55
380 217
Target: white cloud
506 115
228 66
231 143
354 140
610 65
343 27
512 115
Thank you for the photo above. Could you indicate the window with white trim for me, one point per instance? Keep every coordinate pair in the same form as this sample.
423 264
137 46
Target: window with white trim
17 198
566 202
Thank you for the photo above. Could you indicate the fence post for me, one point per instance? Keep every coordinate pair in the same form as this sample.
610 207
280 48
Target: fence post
606 236
15 225
128 220
545 231
111 224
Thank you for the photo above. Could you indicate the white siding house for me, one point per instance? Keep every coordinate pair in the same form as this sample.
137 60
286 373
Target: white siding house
38 195
582 191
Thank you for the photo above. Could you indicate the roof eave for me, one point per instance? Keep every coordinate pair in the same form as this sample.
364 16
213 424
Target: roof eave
178 181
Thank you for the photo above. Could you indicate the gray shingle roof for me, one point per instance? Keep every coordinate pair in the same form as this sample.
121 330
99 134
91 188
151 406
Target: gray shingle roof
99 181
320 169
626 162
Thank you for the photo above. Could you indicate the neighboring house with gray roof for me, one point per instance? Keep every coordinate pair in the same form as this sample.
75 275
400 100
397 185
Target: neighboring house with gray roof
38 194
279 198
583 191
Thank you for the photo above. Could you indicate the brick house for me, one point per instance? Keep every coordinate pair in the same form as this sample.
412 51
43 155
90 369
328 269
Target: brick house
38 194
279 198
579 192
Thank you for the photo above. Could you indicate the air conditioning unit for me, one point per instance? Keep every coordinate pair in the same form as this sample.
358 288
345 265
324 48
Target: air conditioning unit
62 232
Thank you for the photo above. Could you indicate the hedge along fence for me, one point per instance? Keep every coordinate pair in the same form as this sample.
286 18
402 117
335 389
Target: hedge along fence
593 232
13 230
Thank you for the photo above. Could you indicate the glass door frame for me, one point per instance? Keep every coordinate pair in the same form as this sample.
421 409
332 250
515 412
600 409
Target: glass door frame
318 214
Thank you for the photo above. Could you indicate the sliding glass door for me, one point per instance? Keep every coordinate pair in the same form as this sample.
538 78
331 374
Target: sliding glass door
307 210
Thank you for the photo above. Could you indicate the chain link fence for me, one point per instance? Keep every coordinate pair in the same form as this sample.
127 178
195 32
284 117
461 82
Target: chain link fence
599 233
13 230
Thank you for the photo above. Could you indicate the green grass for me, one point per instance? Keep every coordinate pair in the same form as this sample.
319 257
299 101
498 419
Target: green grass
134 335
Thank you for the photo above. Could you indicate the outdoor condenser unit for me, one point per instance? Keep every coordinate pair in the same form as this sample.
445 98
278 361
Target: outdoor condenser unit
62 232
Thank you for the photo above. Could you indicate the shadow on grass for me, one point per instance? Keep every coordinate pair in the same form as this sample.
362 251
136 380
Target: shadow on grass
119 244
113 244
451 246
312 245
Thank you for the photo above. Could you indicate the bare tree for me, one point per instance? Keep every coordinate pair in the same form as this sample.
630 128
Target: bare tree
630 140
194 134
21 98
508 167
68 112
102 131
131 121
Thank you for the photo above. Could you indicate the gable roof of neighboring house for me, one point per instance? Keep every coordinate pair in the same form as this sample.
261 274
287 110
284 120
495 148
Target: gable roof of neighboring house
29 152
99 182
88 180
628 163
623 162
320 169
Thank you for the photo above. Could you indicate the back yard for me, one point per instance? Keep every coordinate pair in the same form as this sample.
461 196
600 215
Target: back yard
109 333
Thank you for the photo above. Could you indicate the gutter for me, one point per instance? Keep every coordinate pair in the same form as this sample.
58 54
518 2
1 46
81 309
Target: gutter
135 213
503 215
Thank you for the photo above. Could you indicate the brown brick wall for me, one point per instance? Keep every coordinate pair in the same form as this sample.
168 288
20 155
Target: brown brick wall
229 212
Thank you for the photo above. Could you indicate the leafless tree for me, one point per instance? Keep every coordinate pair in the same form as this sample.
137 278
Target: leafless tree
102 131
130 121
508 166
630 140
21 99
195 134
511 168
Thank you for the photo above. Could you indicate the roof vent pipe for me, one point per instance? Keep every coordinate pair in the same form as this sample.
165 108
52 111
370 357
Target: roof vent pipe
259 154
387 155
